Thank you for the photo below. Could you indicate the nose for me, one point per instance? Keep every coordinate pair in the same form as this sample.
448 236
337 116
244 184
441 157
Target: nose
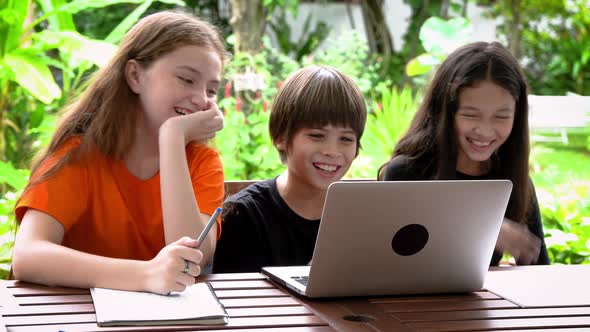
199 98
483 128
332 149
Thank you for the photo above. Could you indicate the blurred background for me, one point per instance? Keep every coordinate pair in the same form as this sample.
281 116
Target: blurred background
48 49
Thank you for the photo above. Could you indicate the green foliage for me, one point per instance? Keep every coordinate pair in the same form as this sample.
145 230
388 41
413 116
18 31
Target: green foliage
245 146
7 231
562 180
389 120
566 217
554 43
244 143
350 54
439 38
308 41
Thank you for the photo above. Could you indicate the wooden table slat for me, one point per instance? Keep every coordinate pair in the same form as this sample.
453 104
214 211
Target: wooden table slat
6 300
44 290
50 299
50 309
475 296
60 309
261 302
94 328
489 314
250 293
446 306
48 319
495 324
51 322
269 311
241 284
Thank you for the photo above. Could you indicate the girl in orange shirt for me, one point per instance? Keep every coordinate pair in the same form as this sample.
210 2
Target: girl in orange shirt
127 182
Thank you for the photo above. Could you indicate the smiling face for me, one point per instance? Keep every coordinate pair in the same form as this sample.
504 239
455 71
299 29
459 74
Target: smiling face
316 157
483 122
180 82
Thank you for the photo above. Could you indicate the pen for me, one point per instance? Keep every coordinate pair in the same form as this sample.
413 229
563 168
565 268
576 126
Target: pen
210 223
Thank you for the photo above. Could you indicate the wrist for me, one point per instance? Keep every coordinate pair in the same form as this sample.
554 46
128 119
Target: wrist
169 133
143 274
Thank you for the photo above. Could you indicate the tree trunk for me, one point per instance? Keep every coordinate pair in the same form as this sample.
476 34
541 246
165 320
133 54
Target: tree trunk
464 8
419 16
247 21
514 43
378 34
444 9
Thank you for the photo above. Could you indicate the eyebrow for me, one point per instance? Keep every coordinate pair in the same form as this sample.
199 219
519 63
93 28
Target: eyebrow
473 108
196 72
345 131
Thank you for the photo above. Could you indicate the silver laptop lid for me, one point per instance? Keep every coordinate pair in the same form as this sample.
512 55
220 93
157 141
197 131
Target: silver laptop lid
407 237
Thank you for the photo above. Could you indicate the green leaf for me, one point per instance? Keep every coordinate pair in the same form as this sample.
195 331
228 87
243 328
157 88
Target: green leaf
33 75
12 17
59 21
79 47
36 117
79 5
120 30
422 64
440 36
16 178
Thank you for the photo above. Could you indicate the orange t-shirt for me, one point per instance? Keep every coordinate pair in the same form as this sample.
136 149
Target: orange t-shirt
107 211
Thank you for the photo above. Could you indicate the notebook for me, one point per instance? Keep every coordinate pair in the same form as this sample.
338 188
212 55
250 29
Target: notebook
409 237
542 286
197 304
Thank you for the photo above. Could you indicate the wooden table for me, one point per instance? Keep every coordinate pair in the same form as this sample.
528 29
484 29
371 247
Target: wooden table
254 304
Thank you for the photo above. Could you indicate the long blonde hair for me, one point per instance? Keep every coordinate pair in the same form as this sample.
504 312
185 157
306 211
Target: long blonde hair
105 114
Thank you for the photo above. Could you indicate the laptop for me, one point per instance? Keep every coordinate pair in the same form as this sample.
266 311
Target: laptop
406 237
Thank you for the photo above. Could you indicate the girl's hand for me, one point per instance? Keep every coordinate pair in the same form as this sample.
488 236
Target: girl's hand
518 241
166 272
198 126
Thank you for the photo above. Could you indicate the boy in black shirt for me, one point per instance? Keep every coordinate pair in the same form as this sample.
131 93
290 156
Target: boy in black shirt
316 124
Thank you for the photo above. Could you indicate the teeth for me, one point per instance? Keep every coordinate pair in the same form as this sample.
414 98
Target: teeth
480 143
180 111
326 167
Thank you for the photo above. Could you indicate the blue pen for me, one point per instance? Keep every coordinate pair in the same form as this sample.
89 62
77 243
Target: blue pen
210 224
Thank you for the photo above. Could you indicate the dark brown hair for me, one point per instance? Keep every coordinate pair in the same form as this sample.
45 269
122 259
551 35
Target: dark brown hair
314 97
432 135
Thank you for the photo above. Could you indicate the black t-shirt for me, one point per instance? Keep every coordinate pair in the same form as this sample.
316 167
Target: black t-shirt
259 229
402 168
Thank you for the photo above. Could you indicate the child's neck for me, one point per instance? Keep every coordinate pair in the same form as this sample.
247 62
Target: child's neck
143 160
473 168
306 201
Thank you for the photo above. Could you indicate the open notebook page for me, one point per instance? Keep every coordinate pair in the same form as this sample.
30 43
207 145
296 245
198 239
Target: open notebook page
196 305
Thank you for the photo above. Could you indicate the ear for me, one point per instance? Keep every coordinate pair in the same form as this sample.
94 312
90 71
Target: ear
281 144
133 75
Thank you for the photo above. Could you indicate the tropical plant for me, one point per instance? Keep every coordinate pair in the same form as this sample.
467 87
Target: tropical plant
554 41
566 217
389 119
308 42
350 54
439 38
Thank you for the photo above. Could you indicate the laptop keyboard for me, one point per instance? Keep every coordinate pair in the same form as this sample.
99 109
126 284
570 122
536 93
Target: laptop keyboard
302 280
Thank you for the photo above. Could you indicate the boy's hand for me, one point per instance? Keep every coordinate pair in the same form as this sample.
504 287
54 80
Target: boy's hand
517 240
166 272
198 126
